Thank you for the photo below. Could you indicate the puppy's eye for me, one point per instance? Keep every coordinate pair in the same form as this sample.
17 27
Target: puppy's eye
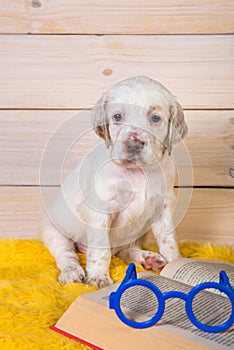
155 118
117 117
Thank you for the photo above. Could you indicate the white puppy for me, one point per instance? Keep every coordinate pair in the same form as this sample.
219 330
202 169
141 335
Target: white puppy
123 188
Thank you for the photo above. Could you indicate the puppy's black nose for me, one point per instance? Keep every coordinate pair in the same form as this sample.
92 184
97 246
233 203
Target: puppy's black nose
134 147
134 144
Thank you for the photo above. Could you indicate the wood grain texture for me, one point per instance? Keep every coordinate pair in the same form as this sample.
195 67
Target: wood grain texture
56 72
209 217
25 135
20 210
117 16
210 142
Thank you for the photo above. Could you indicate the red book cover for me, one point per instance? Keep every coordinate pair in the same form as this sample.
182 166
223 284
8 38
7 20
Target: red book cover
75 338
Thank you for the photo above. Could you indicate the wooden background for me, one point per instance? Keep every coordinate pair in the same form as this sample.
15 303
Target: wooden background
58 57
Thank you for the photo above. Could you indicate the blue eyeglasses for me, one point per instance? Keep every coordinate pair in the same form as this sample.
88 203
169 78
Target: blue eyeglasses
130 280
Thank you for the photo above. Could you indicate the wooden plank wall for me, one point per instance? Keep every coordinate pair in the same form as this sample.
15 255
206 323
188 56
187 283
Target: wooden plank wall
58 57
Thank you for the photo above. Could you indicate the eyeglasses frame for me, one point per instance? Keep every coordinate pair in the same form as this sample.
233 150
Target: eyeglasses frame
131 280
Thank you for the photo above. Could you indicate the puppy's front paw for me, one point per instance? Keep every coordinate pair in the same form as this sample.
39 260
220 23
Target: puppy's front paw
72 274
100 281
153 261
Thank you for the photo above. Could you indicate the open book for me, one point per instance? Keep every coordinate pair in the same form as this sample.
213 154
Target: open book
90 321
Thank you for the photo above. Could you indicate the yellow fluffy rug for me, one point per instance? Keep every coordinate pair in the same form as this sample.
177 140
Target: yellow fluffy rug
31 299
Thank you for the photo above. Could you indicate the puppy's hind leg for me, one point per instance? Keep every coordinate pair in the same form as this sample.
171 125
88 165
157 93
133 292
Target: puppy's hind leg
62 249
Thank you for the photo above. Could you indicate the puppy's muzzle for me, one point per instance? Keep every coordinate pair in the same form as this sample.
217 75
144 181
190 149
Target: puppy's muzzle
134 144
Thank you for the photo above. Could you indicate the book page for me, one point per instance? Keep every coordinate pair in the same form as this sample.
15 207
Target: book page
93 324
140 304
193 272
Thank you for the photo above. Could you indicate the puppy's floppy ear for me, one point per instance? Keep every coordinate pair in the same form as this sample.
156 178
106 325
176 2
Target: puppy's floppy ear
177 128
100 121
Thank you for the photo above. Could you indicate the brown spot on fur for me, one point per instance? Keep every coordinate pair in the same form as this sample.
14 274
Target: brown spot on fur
153 109
103 132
